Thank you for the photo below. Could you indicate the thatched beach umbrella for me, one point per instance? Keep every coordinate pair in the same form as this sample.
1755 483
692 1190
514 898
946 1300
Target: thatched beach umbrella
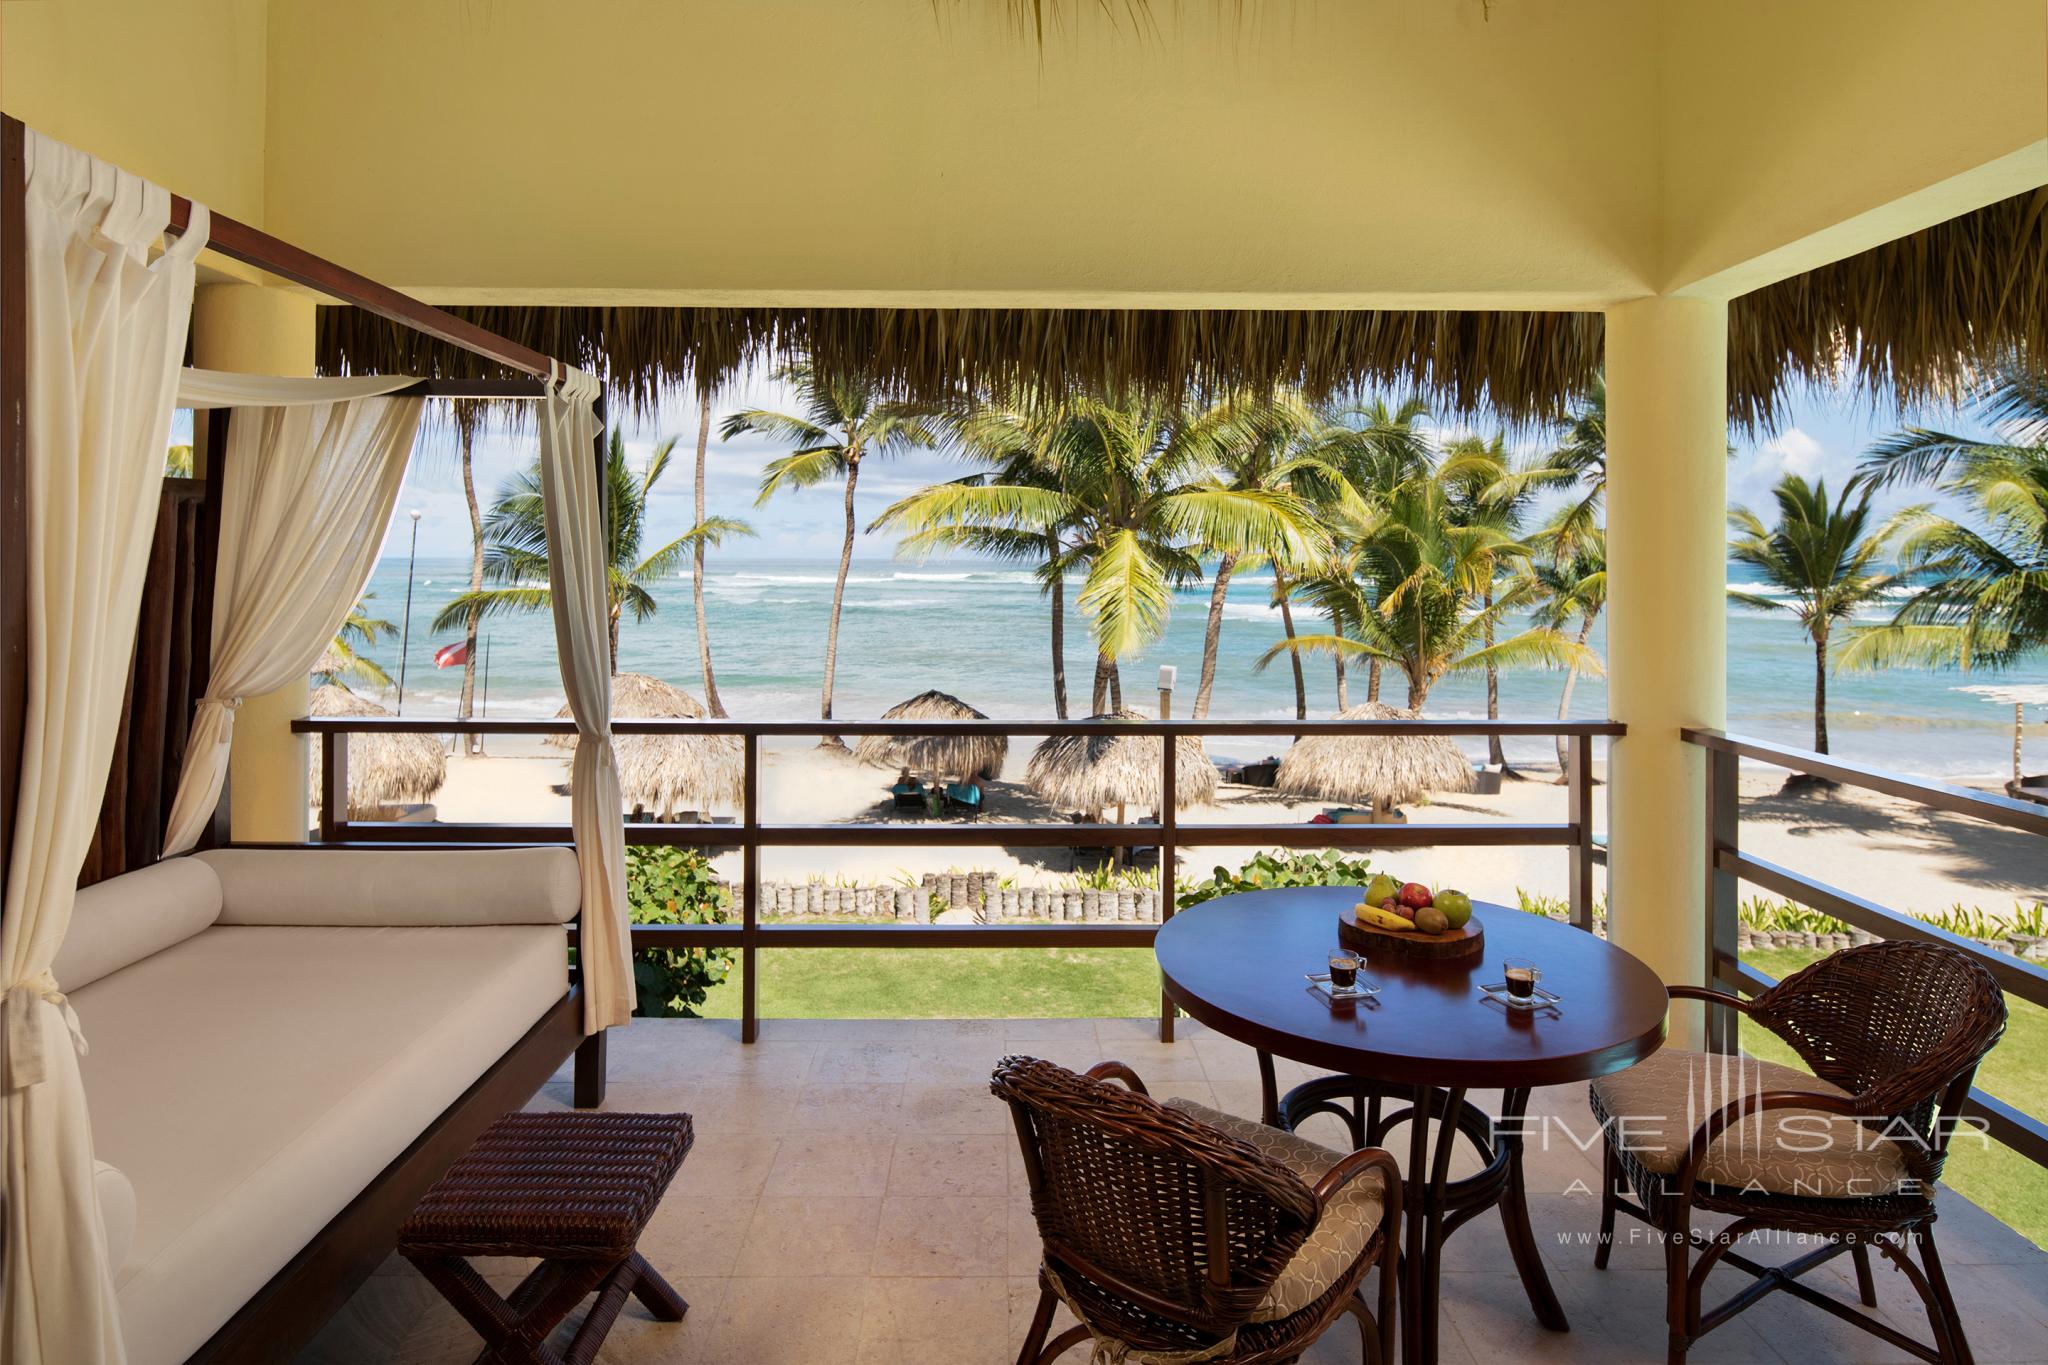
383 770
959 758
668 773
1120 768
1376 770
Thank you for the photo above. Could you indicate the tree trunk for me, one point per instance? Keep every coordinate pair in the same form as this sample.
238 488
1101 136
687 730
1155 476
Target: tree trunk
1495 754
1280 590
1212 634
1116 686
1820 693
616 615
1059 640
1372 682
1564 703
1343 686
1099 702
838 599
466 707
711 701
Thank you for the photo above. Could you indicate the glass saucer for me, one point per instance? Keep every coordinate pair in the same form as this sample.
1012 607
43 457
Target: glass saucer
1538 998
1366 988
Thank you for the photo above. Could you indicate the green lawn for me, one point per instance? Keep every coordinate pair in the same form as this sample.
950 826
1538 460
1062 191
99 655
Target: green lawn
1994 1176
949 983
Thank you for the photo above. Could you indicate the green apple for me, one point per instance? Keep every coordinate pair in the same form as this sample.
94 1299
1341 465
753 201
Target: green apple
1456 905
1381 889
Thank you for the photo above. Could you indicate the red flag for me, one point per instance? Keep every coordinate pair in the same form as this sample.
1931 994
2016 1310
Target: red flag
450 656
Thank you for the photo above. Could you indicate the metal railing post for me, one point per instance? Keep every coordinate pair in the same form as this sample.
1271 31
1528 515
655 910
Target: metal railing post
1169 825
750 894
1579 813
1723 821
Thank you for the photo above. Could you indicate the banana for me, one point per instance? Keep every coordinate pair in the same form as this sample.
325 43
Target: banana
1383 919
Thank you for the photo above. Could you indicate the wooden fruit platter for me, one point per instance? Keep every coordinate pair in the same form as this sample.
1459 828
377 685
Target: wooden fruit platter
1453 945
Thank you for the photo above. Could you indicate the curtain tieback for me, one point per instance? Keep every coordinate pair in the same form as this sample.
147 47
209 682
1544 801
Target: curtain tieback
22 1020
224 703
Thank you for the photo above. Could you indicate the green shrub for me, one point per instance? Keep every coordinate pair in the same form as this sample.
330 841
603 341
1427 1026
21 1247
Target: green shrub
1270 870
675 886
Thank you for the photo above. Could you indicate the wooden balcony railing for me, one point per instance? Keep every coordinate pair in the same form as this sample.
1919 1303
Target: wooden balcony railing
750 835
1728 866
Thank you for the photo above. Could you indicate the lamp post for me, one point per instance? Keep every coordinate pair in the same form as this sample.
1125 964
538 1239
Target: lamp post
405 631
1167 673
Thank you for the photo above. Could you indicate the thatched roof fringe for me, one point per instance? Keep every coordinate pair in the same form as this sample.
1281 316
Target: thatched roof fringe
383 769
1913 319
1523 366
1920 318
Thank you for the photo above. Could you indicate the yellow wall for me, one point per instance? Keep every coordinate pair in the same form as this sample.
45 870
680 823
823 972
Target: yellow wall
173 91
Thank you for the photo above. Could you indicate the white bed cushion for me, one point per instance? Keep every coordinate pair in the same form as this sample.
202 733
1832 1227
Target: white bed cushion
250 1081
117 1211
402 886
124 919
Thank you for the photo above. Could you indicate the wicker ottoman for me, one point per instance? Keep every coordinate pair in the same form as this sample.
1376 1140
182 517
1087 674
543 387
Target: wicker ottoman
575 1190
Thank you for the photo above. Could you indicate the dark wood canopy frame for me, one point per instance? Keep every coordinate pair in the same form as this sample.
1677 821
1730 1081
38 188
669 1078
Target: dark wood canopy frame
288 1310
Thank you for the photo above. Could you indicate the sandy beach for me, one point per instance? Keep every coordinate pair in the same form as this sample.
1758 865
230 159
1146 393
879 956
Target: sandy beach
1878 847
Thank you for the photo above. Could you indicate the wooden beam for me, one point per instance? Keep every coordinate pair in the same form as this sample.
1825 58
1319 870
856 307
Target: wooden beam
240 242
13 476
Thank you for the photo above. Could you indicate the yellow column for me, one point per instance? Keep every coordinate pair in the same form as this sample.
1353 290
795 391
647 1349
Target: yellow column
1667 613
252 329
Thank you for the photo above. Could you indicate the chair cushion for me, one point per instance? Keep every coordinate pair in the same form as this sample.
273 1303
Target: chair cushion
249 1082
1339 1236
397 886
1653 1108
126 918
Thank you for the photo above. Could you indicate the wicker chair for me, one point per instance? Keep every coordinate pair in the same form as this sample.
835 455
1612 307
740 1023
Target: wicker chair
1894 1032
1172 1239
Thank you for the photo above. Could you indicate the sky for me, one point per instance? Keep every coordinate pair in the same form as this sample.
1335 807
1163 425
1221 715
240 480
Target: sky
1822 435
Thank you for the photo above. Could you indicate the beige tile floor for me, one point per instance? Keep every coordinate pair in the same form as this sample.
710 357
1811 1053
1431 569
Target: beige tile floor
855 1196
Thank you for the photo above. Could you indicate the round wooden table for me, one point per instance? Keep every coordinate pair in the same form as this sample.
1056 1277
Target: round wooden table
1237 963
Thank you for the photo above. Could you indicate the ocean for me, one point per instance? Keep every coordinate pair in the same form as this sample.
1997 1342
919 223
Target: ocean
981 632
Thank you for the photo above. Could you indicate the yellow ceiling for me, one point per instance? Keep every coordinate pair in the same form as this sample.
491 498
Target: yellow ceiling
1526 153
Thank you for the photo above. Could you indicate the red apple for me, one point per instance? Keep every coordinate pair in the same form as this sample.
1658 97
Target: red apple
1414 896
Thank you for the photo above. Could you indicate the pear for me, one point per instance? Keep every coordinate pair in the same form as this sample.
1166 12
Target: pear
1381 889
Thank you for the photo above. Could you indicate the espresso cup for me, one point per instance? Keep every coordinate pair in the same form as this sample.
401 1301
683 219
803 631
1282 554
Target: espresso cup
1344 970
1522 976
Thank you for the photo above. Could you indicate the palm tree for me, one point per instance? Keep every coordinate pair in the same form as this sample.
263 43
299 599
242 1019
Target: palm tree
1424 575
844 421
466 417
1129 491
1985 596
1489 487
1567 585
1379 446
345 661
1822 555
1266 443
707 534
516 546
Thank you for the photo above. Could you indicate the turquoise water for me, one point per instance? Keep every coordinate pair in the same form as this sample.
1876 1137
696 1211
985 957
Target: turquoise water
981 632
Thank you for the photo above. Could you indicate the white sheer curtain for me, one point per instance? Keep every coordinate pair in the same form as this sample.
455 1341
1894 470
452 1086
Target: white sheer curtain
106 329
577 578
308 491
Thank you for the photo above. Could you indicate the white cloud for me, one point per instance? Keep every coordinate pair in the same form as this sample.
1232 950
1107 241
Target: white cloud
1796 453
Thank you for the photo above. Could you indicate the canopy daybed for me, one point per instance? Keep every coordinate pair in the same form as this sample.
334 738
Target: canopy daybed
292 1043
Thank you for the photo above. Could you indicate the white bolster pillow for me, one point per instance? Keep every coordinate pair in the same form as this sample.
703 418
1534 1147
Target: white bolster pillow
375 887
117 1213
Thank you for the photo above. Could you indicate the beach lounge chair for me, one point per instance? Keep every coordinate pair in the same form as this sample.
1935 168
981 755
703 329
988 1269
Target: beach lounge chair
963 798
907 798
